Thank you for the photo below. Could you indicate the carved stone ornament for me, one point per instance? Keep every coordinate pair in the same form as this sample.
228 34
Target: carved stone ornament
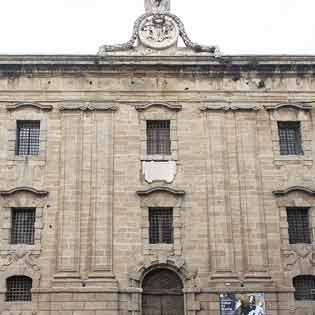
283 192
32 105
230 107
158 32
21 258
159 29
177 263
86 107
301 257
157 6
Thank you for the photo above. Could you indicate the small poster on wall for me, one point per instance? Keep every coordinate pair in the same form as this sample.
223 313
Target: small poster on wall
242 304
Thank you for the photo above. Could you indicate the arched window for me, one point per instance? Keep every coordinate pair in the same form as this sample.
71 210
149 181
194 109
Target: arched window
19 288
304 287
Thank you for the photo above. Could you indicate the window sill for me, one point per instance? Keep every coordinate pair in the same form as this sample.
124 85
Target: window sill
158 158
291 157
161 246
305 159
24 158
18 302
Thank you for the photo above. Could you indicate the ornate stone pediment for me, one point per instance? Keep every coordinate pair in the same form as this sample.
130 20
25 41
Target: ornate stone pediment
158 29
297 106
29 105
170 107
286 191
34 191
169 190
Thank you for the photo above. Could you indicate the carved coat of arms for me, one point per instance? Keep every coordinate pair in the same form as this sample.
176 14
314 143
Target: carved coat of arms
158 31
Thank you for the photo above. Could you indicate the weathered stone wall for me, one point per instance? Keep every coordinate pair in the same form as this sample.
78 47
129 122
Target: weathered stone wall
91 247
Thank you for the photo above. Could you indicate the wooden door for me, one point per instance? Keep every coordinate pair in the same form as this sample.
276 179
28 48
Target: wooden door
162 294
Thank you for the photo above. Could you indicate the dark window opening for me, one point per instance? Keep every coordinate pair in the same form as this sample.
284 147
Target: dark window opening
158 137
304 287
290 138
161 225
19 289
22 225
27 137
299 228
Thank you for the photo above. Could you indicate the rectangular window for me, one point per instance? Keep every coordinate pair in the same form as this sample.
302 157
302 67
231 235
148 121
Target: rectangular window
27 137
290 138
299 228
304 288
161 225
22 225
158 137
19 288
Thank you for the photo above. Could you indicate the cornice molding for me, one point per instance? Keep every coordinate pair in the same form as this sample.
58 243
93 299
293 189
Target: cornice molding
298 106
40 193
292 189
158 104
34 105
229 107
161 189
87 107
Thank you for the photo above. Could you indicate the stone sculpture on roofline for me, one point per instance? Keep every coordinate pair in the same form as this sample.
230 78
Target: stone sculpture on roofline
158 29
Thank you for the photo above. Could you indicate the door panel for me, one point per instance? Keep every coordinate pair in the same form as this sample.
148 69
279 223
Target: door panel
172 305
151 305
162 305
162 293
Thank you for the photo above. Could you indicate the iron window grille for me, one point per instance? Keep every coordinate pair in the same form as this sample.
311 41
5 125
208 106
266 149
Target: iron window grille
304 287
299 228
19 288
158 137
161 225
290 138
23 225
27 137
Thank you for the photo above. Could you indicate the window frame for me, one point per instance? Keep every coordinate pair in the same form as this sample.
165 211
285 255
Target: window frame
160 231
295 239
14 234
288 112
30 146
158 111
285 146
158 134
23 197
310 279
25 295
27 112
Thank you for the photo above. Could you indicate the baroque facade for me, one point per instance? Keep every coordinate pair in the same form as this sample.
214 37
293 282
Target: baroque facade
157 179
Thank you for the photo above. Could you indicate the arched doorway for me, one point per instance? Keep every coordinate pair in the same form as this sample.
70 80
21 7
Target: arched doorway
162 293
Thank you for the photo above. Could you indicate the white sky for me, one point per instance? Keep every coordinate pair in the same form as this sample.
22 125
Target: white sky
81 26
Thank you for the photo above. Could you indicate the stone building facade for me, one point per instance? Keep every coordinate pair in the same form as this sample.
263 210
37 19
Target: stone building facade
227 187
